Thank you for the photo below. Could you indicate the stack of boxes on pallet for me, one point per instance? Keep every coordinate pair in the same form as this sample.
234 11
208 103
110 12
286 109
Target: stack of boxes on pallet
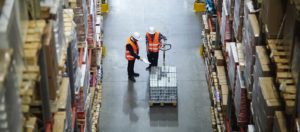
96 105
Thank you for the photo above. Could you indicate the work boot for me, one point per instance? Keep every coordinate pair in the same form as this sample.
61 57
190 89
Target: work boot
148 68
131 79
136 74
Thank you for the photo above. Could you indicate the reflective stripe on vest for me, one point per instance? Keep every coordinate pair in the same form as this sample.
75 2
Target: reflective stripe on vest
153 44
135 48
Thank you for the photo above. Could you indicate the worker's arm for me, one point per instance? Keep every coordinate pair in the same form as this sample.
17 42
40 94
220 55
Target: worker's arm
130 49
147 44
161 36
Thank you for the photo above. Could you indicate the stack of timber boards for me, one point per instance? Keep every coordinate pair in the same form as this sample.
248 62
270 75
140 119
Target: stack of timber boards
31 74
284 77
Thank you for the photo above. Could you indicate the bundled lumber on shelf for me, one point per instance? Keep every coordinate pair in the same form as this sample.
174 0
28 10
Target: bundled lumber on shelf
31 73
238 19
265 103
96 106
279 55
30 125
279 124
250 40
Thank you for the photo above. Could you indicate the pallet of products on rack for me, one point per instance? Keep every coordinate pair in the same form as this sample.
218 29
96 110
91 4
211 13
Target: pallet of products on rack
229 5
80 24
241 99
51 61
225 30
91 32
96 108
271 21
251 38
59 121
72 3
205 23
279 124
265 102
31 73
279 58
262 67
232 65
238 19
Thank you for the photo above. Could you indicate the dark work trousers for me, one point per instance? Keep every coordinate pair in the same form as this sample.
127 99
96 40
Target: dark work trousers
130 68
153 58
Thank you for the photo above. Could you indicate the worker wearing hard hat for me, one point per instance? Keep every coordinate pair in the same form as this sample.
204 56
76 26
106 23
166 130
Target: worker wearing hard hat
132 53
153 43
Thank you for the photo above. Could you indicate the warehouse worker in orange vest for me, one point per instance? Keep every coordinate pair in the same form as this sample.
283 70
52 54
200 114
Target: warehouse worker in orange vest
153 43
132 53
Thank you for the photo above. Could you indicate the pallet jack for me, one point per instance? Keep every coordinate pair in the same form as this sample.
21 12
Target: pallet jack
163 82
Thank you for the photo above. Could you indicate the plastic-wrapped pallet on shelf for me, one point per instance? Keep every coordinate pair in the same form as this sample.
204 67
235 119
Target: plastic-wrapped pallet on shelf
13 22
238 19
241 99
272 13
80 24
262 67
10 106
51 61
61 45
251 38
264 104
279 124
225 31
232 64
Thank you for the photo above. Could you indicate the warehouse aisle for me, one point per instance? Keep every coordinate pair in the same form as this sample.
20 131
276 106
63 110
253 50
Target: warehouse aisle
125 106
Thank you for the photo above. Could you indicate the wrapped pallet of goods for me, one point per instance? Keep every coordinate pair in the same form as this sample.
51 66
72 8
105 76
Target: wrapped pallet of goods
271 21
238 19
232 65
251 38
240 99
264 104
279 124
262 67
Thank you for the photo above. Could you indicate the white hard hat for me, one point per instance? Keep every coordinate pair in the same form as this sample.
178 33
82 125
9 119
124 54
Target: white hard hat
151 30
136 36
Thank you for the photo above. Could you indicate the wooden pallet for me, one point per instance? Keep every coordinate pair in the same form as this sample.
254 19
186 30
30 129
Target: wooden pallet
153 104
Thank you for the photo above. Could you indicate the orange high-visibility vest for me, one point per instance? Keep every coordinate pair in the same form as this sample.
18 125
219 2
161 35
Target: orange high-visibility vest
153 44
135 48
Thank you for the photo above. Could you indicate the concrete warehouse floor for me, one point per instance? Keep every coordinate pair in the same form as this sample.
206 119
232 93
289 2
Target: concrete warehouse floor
125 104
